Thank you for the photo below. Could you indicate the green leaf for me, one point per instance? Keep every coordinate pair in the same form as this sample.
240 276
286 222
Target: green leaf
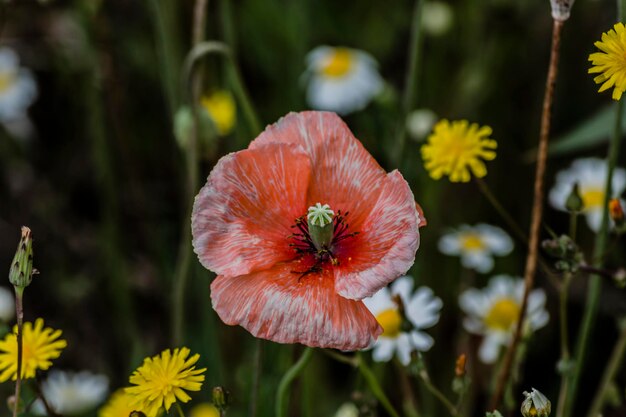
594 131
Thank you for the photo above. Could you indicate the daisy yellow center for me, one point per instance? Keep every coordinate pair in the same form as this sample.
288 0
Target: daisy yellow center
222 110
391 322
472 241
457 150
338 63
6 81
503 314
592 198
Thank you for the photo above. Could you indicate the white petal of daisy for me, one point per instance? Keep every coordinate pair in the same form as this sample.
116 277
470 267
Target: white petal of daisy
473 302
341 79
421 341
423 308
594 219
404 348
72 394
450 244
383 349
490 349
496 239
474 325
380 301
17 87
481 261
403 287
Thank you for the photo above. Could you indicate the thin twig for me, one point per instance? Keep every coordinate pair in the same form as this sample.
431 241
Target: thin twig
537 211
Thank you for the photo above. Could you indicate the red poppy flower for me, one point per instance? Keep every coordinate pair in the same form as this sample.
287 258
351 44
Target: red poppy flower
279 277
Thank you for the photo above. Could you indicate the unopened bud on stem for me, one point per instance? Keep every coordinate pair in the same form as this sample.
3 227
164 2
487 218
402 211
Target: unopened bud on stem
21 272
574 202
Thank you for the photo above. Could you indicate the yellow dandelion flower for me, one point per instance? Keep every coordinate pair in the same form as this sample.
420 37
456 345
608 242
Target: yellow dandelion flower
611 62
456 148
39 347
118 405
220 106
162 380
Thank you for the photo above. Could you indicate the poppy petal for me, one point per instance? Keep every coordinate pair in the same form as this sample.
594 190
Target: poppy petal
242 217
281 305
385 246
344 175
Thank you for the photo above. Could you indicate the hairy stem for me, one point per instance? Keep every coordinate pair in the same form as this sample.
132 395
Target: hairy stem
19 310
375 387
537 212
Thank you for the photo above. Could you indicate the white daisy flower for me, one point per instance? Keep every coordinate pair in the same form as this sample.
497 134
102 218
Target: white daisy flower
17 87
476 245
420 308
590 175
493 313
420 122
7 305
340 79
70 393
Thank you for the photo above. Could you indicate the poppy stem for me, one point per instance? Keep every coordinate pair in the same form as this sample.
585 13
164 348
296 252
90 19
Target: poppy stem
438 394
537 212
254 393
285 382
374 386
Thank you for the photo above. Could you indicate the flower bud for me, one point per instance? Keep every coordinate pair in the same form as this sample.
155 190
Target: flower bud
616 211
561 9
21 272
459 369
574 202
136 414
535 405
220 398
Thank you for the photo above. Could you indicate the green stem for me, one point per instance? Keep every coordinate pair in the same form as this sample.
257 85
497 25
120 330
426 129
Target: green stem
180 410
19 310
593 291
375 387
412 74
573 225
438 394
612 367
565 351
285 382
508 219
348 360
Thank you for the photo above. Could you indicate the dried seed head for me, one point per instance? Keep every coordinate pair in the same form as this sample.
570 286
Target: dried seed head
561 9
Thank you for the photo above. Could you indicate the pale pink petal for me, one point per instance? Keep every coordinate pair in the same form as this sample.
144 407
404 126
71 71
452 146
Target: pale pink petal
344 175
385 246
242 216
282 305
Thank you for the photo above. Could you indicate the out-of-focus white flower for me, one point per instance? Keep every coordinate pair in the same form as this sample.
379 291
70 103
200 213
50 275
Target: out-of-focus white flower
420 308
476 245
493 312
590 175
347 410
72 393
437 17
17 87
420 122
7 305
340 79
